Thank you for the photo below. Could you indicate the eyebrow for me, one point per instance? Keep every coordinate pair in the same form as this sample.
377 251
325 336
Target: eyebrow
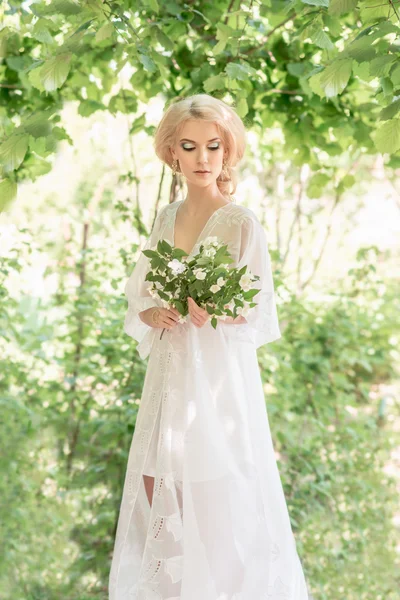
187 140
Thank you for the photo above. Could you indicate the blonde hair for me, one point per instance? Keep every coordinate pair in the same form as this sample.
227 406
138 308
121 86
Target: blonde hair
206 108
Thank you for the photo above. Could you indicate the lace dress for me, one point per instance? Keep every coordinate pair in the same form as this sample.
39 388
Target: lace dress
218 527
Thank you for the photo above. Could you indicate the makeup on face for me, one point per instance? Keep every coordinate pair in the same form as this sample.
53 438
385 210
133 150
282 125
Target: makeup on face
214 145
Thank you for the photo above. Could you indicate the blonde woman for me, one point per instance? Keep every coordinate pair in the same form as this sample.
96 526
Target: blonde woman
203 514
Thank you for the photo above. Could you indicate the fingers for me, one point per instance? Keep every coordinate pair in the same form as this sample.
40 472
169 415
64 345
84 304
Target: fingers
174 310
198 315
169 317
200 312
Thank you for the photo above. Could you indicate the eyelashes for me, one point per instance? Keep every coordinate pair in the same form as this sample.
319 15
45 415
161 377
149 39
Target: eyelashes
190 149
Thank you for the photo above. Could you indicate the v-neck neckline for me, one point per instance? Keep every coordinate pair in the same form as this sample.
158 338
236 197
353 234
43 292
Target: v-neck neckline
179 203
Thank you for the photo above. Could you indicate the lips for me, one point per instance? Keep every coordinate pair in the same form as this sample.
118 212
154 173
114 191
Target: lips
202 171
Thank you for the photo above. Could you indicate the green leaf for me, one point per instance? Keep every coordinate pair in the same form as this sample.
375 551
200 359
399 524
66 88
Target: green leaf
55 71
387 86
164 40
395 75
361 50
387 137
380 66
13 150
219 47
297 69
216 82
152 4
239 71
335 77
8 191
38 125
5 33
65 7
88 107
390 111
147 62
338 7
317 185
321 39
19 63
242 107
35 79
324 3
41 32
371 11
224 32
104 32
138 124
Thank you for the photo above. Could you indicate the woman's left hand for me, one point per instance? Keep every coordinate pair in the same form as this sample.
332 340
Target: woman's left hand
239 319
200 316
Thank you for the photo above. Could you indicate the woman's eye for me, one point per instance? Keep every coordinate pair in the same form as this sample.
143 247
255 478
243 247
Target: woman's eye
192 148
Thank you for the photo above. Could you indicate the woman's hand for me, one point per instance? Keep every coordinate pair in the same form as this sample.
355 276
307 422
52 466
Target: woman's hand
167 318
239 319
198 315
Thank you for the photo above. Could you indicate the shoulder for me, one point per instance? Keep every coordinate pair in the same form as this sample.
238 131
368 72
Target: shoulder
243 216
164 213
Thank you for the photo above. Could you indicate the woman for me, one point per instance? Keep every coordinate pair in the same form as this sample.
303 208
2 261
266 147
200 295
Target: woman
203 515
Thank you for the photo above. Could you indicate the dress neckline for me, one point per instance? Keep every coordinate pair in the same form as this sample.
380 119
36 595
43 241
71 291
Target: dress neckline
179 203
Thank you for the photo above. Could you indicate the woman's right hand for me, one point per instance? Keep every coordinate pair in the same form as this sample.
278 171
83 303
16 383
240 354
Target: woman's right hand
167 317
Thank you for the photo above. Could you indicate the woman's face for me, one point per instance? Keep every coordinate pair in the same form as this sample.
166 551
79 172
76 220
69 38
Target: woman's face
199 147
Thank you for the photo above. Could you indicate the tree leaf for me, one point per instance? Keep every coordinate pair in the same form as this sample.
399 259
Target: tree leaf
387 137
390 111
338 7
239 71
324 3
13 150
104 32
336 76
55 71
41 32
8 191
216 82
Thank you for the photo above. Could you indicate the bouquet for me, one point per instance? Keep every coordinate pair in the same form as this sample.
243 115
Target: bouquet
220 290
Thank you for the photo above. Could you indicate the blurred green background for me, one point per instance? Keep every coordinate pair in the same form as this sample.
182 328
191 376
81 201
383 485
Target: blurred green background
82 87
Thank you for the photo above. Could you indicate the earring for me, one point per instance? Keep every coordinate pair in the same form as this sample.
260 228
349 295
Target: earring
225 172
174 166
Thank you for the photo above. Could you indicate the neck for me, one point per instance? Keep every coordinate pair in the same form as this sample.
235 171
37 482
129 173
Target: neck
202 199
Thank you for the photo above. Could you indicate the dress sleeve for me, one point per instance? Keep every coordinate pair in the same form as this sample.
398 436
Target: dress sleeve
262 319
139 299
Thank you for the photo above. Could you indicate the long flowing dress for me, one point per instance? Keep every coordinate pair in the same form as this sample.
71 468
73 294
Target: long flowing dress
218 527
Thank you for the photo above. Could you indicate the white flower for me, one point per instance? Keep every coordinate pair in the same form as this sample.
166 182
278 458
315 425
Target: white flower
176 266
220 281
200 274
244 311
214 288
210 241
245 282
209 252
153 293
158 285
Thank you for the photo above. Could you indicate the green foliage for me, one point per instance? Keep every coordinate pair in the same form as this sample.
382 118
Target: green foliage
325 73
70 386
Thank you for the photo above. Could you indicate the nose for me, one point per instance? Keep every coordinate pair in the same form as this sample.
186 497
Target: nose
202 157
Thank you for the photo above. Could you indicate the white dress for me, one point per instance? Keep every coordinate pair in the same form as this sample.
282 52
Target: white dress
218 527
